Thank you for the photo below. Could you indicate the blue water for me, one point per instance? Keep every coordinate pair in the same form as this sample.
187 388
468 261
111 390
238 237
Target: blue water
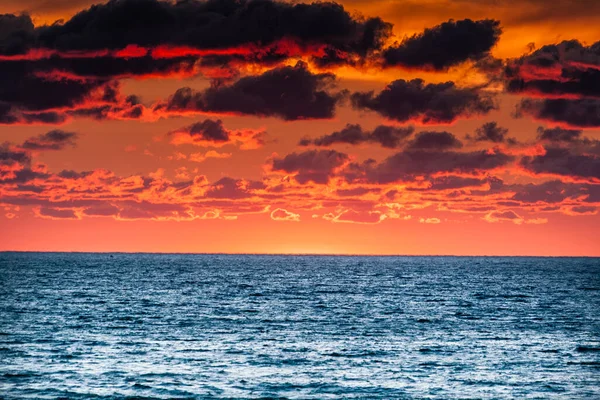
212 326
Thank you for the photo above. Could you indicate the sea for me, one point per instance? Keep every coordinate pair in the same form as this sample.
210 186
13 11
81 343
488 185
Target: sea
186 326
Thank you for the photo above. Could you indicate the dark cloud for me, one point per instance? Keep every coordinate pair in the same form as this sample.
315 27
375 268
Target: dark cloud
445 45
584 113
53 140
208 130
290 93
230 188
22 90
559 134
147 210
357 191
212 133
218 25
57 213
387 136
434 103
17 34
583 210
430 140
566 70
11 156
563 161
109 67
451 182
23 176
313 165
547 192
47 117
27 96
491 132
571 82
101 210
404 166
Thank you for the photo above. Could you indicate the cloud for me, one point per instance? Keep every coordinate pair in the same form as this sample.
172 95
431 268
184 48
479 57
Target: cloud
567 78
430 140
445 45
217 25
451 182
565 70
355 217
492 132
101 210
311 166
56 213
511 216
10 156
548 192
434 103
279 214
17 33
199 157
581 210
407 164
26 98
430 220
289 93
258 31
53 140
22 91
499 216
582 113
563 161
559 134
212 133
230 188
387 136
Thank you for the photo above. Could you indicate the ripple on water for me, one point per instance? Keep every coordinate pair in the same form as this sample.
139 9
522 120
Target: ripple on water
79 326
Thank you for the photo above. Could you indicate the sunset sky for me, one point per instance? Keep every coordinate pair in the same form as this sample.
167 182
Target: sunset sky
464 127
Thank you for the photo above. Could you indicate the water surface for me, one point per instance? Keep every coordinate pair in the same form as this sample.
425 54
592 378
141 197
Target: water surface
216 326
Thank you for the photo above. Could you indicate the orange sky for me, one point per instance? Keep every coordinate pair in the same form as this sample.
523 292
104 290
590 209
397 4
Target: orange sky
248 194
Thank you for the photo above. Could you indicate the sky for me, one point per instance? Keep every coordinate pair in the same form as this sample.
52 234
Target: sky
434 127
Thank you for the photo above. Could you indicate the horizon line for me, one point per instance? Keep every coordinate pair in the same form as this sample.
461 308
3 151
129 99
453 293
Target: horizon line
295 254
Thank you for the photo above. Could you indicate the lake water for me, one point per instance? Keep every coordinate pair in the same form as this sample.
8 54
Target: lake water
227 326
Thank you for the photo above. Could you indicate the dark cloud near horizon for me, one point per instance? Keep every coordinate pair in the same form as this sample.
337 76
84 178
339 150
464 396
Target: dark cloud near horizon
445 45
434 103
311 166
230 188
387 136
451 182
289 93
407 164
554 191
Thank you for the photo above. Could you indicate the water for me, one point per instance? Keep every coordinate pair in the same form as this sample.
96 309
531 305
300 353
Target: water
204 326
